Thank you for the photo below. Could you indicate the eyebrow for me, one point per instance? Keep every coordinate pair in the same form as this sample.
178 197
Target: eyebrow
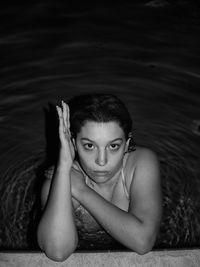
87 139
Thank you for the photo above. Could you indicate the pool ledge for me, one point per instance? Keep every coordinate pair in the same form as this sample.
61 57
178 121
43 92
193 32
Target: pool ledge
163 258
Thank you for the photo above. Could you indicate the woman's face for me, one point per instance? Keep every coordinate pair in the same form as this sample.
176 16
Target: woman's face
101 148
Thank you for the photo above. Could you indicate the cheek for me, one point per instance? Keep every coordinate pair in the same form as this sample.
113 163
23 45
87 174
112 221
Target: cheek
115 160
84 157
87 163
118 160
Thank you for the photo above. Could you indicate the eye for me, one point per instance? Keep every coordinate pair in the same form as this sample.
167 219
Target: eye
89 146
114 146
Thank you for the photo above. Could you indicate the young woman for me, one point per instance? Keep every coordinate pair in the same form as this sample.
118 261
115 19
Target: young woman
101 175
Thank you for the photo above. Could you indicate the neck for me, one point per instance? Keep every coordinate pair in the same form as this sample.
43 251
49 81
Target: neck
105 186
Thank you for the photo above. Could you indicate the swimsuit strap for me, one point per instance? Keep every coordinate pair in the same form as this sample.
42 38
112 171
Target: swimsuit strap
123 177
124 184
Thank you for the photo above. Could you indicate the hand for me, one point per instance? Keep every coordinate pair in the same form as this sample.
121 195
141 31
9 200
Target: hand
67 152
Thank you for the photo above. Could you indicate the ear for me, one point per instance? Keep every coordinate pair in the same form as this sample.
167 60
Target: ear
128 141
127 144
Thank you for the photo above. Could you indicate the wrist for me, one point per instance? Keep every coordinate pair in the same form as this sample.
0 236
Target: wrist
64 159
63 167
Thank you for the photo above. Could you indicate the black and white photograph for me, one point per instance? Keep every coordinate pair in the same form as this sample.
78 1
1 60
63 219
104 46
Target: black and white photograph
100 133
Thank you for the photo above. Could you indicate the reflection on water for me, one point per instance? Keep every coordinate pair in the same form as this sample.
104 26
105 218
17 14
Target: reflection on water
148 56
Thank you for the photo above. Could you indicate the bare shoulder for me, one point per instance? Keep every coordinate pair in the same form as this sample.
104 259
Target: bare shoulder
143 154
146 156
146 164
145 189
144 171
140 159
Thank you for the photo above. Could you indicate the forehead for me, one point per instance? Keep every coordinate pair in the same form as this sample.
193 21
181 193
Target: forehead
101 130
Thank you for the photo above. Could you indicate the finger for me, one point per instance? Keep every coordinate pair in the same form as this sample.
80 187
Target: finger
59 111
68 116
67 119
64 114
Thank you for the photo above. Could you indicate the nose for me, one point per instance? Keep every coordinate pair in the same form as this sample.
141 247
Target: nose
101 159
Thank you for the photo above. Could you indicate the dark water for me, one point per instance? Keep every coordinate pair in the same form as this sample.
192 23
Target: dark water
147 55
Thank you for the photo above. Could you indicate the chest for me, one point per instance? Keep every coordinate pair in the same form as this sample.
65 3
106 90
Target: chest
119 194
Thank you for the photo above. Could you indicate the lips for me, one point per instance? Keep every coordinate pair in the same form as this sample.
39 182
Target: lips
101 172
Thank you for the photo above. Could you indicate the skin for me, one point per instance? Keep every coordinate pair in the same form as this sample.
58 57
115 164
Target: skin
100 147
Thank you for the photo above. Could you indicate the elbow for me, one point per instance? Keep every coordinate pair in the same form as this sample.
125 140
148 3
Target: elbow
58 253
145 245
145 248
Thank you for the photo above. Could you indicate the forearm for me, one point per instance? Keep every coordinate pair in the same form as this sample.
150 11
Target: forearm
121 225
57 231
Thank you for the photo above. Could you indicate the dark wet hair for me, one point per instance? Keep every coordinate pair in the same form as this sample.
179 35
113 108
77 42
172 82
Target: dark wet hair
98 108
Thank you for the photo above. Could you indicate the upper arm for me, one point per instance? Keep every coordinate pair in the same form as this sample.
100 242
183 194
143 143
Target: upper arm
145 191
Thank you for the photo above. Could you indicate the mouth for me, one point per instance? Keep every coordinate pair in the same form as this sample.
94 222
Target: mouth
101 173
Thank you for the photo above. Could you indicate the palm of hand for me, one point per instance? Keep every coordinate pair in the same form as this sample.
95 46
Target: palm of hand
67 152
